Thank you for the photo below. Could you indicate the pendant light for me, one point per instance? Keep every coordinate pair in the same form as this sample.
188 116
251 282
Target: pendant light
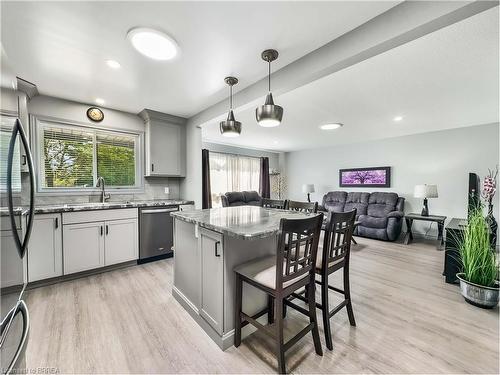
269 114
230 127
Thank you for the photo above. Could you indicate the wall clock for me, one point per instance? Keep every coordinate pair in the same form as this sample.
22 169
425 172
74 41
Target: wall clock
95 114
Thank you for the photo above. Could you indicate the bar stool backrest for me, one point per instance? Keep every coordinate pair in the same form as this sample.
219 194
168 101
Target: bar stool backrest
297 248
273 203
338 235
308 207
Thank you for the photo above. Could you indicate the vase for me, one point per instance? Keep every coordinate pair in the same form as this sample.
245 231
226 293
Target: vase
493 226
478 295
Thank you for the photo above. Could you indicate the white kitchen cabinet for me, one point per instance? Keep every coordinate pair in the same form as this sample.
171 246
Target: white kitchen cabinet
83 246
165 144
45 248
11 264
121 241
212 275
94 239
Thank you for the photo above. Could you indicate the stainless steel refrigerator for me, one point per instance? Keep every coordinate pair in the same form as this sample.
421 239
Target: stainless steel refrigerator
17 198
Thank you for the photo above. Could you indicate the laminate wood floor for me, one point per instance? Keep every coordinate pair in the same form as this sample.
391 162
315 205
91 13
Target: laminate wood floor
408 321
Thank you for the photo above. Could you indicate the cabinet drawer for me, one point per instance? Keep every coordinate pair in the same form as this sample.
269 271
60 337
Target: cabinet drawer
99 215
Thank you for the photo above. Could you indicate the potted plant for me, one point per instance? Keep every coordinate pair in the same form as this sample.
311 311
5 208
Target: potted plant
479 277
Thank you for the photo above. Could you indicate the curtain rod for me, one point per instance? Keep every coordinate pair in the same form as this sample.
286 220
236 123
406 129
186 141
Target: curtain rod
233 154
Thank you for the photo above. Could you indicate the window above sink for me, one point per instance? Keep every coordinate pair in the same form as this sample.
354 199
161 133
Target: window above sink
71 157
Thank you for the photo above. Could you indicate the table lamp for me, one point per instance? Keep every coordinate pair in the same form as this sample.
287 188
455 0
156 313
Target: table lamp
308 188
425 191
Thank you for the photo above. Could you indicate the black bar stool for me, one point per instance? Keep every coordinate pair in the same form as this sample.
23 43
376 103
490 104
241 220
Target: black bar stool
333 256
292 268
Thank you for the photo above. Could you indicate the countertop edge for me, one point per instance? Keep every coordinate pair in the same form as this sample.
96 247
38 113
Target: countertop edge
222 230
61 208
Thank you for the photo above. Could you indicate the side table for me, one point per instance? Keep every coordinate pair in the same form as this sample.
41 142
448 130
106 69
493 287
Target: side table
409 218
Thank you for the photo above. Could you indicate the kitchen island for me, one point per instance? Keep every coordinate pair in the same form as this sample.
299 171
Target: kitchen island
208 245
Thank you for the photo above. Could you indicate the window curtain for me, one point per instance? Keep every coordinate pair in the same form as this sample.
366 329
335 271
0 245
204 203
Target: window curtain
264 184
205 171
230 172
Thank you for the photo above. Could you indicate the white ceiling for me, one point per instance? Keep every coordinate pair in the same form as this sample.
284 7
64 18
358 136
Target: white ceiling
444 80
62 46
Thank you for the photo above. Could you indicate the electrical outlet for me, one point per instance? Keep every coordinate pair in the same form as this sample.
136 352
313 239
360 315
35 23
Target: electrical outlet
167 190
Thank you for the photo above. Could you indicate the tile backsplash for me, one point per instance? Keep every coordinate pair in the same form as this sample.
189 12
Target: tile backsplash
154 188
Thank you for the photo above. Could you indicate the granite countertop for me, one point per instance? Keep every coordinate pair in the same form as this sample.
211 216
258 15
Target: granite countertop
244 222
73 207
18 211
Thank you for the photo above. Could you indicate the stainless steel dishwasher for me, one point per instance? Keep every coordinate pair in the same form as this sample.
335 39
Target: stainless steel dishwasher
156 232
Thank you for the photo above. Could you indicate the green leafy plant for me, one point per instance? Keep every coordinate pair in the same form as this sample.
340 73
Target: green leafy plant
479 263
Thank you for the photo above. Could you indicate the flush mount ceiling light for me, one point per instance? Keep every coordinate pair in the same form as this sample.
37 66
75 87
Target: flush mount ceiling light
398 118
331 126
153 43
269 114
113 64
230 127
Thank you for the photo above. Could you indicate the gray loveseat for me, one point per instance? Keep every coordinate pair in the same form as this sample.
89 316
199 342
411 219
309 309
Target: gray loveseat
241 198
380 214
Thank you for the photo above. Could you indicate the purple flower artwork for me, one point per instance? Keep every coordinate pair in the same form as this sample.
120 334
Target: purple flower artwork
365 177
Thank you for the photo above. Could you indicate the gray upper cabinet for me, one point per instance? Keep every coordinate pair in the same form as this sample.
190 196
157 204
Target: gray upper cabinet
165 144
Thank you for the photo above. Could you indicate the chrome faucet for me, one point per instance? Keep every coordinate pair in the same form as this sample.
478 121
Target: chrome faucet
101 184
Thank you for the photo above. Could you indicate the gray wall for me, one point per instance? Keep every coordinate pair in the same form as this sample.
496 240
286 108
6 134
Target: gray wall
273 156
444 158
76 112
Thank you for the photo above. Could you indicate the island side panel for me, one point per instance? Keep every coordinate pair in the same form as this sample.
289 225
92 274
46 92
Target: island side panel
187 263
236 252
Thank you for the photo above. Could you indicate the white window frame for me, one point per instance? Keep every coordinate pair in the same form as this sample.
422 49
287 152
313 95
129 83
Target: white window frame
37 126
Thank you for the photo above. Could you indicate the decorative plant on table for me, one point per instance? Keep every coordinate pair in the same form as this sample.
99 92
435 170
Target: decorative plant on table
479 277
278 184
488 193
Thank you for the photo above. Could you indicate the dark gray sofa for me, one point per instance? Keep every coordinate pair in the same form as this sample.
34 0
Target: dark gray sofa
380 214
241 198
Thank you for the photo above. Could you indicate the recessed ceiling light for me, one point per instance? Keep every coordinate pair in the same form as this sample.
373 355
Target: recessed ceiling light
153 43
113 64
331 126
100 101
398 118
275 142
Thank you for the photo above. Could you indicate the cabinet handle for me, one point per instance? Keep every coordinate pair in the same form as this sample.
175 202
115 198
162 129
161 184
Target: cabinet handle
107 229
152 167
101 230
216 249
57 222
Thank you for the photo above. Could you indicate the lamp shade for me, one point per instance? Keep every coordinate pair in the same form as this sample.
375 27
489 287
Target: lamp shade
308 188
230 127
425 191
269 115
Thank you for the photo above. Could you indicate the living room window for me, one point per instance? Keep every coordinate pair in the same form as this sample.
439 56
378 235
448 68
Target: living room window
71 158
229 172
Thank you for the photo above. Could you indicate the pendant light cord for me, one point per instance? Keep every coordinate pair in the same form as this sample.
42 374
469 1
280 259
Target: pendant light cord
269 77
231 97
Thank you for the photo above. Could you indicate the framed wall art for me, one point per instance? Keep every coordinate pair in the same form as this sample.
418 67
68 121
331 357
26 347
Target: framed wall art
365 177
